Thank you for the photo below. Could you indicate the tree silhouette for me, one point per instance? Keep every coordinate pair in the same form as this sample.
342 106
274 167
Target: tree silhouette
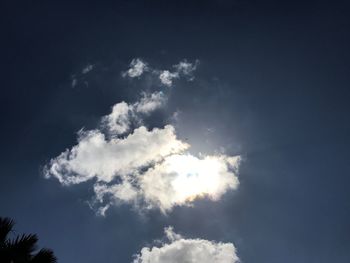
21 249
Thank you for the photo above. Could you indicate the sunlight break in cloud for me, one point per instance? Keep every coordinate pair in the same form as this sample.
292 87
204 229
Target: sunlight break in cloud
148 168
180 250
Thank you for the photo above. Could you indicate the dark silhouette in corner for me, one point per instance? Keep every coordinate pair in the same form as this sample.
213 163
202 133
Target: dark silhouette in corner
22 248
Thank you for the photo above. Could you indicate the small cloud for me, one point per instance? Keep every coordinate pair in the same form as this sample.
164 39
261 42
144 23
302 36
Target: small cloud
186 68
179 250
87 69
123 114
166 77
182 178
102 210
119 120
149 103
74 82
137 67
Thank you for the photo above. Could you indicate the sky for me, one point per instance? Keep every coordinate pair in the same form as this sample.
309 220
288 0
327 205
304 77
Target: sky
177 131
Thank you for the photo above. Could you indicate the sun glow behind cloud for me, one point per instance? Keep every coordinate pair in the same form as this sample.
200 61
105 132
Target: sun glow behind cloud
197 178
182 178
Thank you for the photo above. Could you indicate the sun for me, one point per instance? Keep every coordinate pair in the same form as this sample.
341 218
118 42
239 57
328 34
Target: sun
194 177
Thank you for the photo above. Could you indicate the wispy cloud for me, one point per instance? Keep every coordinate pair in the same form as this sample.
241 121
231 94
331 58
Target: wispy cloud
178 249
186 68
165 76
79 77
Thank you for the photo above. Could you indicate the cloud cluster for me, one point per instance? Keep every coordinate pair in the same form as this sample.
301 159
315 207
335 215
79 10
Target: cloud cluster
180 250
149 168
166 77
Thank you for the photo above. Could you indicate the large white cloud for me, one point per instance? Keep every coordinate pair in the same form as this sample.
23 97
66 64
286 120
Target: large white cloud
96 157
181 250
148 168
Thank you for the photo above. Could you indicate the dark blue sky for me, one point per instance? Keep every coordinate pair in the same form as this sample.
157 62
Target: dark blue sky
273 82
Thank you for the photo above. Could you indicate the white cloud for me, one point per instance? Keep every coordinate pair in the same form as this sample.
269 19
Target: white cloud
151 166
181 250
123 191
186 67
181 178
183 68
87 69
122 115
166 77
96 157
137 67
150 102
118 121
147 168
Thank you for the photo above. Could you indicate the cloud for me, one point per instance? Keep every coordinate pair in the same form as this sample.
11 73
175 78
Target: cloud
148 168
123 114
180 250
150 102
137 67
87 69
183 68
118 121
186 68
74 82
166 77
181 178
96 157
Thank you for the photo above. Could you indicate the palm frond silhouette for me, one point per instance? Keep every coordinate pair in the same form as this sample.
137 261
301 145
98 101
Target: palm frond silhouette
22 248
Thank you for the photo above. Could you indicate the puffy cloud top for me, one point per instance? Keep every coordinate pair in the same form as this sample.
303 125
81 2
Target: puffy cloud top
181 250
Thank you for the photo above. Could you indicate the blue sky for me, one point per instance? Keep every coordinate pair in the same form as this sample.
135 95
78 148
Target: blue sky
269 84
